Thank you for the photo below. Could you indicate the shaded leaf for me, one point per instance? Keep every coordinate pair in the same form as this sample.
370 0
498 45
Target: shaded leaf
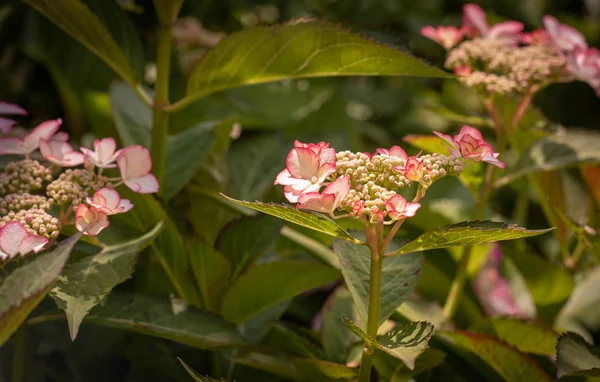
583 306
299 49
467 234
244 240
566 148
504 359
195 376
268 284
395 370
336 339
576 357
133 118
23 288
212 271
315 221
86 282
400 276
405 342
322 371
75 18
293 342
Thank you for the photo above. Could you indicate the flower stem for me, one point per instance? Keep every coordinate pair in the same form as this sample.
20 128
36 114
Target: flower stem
160 119
366 361
19 352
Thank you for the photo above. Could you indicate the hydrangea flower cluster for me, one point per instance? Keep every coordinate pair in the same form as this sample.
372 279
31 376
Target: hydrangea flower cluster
39 197
502 58
369 186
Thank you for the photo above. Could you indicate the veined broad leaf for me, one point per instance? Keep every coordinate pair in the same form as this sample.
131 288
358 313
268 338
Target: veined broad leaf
75 18
154 316
576 357
212 271
400 276
23 288
405 342
271 283
504 359
86 282
336 339
467 234
195 376
315 221
564 149
299 49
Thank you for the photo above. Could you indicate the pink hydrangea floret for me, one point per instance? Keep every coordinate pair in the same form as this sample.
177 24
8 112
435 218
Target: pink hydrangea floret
15 240
109 201
469 144
328 200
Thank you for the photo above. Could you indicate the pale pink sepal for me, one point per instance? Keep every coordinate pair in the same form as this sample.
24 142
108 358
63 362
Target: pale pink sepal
105 153
135 165
61 153
394 151
446 36
109 201
31 142
584 64
563 37
469 143
15 240
329 199
11 109
89 220
6 125
398 208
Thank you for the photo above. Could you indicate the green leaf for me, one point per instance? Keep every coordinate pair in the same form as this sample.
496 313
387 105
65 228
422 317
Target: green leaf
576 357
133 118
336 339
195 376
405 342
75 18
212 271
315 221
298 49
154 316
285 340
467 234
569 147
268 284
316 370
527 336
395 371
582 308
504 359
24 287
247 238
400 276
87 281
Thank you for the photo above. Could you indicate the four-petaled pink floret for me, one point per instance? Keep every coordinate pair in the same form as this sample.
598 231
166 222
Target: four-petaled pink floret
329 199
307 167
109 201
6 124
105 153
475 24
446 36
58 151
394 151
135 164
90 220
469 144
31 142
413 170
15 240
398 208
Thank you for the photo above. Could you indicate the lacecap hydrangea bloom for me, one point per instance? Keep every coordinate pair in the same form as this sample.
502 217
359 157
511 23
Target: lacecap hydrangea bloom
369 186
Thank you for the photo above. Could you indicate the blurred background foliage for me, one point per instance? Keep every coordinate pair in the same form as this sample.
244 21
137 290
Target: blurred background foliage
51 75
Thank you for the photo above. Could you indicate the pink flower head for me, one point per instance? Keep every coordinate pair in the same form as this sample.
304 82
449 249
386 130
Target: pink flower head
57 150
307 167
395 151
109 201
357 207
90 220
9 109
15 240
469 144
584 64
31 142
446 36
462 70
563 37
105 153
135 164
413 170
475 24
329 199
398 208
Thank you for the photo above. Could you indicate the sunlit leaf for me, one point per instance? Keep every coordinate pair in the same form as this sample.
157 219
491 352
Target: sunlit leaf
267 284
400 276
315 221
467 234
24 287
405 342
302 48
87 281
576 357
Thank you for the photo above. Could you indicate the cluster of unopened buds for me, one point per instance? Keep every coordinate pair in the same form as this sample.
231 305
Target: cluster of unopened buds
39 197
368 186
502 58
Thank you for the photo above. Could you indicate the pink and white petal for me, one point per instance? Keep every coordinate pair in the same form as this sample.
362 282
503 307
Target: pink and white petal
468 130
11 236
510 30
324 171
72 159
397 151
6 125
61 136
491 159
32 243
124 206
11 146
317 202
11 109
291 194
105 149
147 184
448 139
474 18
302 163
327 155
431 33
341 186
107 197
411 209
44 131
134 162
